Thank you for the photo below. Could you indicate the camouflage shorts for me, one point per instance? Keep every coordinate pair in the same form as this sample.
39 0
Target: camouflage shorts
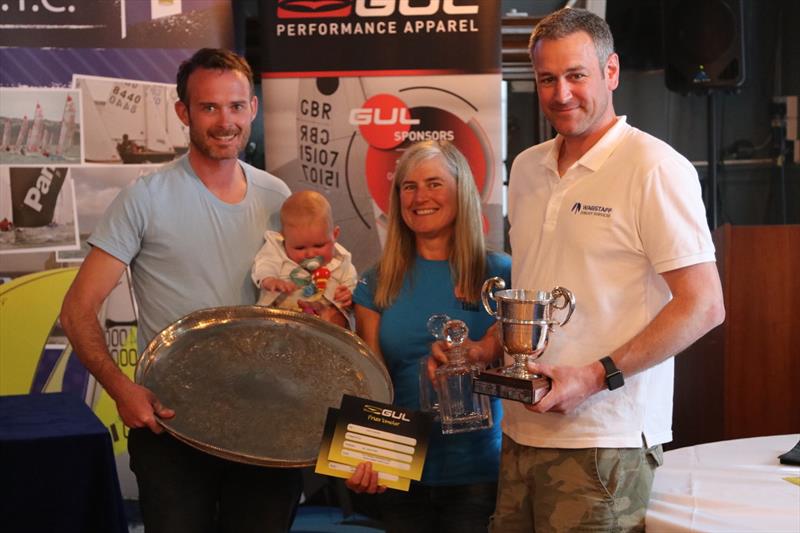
588 489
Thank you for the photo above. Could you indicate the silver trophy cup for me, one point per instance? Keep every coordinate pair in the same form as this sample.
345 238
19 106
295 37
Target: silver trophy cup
526 320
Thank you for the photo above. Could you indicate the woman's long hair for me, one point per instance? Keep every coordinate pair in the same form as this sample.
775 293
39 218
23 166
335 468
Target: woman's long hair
467 255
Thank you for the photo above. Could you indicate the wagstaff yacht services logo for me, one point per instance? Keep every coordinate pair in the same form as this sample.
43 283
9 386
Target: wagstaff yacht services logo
595 210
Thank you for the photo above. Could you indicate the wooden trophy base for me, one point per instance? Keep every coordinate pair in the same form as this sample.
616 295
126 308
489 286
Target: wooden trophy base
494 382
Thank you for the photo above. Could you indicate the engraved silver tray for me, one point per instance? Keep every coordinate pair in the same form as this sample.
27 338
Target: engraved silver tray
253 384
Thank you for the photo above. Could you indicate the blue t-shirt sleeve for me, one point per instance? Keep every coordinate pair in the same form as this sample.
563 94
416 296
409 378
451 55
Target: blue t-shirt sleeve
120 231
364 294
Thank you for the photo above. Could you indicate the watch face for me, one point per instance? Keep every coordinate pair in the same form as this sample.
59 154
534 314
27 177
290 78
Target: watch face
615 380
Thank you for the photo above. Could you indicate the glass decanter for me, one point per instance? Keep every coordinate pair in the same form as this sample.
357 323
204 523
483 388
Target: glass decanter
460 408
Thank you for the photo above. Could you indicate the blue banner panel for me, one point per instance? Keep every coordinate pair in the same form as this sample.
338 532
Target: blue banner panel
116 23
54 67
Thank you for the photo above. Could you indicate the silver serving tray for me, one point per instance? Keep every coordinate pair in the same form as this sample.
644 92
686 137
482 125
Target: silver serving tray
253 384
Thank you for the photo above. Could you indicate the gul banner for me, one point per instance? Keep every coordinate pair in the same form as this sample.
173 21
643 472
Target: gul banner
349 85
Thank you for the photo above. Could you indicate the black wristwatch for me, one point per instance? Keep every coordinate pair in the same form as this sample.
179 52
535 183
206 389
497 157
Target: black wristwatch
614 377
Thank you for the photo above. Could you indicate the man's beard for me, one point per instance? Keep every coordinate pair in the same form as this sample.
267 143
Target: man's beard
204 142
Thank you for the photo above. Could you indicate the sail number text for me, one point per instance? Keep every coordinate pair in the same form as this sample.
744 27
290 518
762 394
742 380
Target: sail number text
318 161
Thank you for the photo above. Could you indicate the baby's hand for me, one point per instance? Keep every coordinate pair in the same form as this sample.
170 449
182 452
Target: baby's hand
278 285
343 296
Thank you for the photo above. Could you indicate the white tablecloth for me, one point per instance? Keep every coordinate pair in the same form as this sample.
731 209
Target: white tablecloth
735 485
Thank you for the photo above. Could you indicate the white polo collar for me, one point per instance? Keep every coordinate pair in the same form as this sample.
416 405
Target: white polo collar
597 154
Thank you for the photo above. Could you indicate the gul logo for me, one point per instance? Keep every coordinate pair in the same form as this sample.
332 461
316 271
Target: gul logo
364 116
388 413
369 8
386 8
383 120
295 9
594 210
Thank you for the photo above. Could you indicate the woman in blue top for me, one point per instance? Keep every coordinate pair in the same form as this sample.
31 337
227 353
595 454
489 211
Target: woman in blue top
434 261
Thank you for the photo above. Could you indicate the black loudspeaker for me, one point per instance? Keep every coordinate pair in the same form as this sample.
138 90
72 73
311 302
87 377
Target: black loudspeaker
703 45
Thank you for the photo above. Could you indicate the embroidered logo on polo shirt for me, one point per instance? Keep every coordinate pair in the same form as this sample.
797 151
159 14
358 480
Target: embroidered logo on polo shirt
594 210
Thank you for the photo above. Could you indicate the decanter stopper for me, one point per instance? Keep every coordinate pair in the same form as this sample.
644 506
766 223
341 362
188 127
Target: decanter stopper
454 332
436 325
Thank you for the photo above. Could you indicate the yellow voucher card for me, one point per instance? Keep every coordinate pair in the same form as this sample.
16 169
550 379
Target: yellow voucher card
332 468
393 439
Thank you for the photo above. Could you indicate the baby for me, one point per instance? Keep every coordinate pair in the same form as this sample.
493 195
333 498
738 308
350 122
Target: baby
303 268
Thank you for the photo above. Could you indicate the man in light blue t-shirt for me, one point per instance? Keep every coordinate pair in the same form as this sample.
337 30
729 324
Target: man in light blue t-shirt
189 232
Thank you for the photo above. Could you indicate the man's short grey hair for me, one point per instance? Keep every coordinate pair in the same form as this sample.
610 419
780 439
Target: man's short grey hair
567 21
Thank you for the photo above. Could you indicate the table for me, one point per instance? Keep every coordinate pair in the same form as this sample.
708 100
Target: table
735 485
57 469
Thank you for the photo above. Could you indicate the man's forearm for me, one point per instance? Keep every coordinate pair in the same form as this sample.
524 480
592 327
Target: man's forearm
694 310
89 344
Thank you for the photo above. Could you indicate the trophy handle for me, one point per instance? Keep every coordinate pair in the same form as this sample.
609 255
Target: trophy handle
568 299
486 292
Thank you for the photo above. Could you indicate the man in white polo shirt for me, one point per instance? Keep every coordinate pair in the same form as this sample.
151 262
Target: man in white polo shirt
615 215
